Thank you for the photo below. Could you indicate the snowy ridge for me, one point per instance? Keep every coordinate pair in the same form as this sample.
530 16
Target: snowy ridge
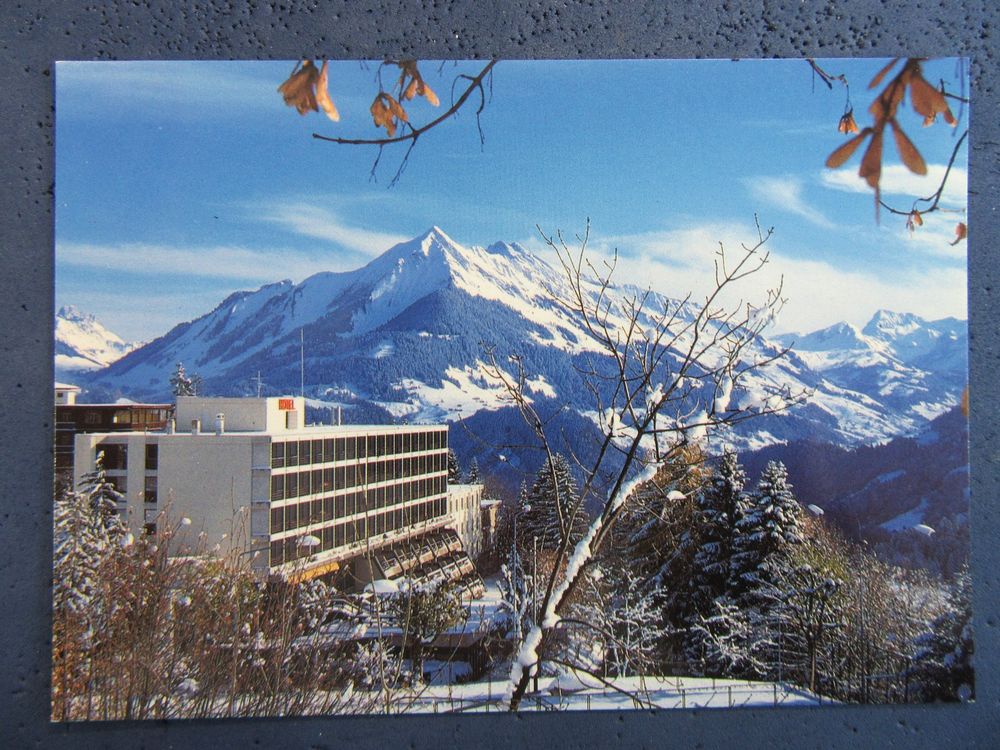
406 334
83 344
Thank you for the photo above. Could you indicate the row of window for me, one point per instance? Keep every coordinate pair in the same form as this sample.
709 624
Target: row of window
116 456
297 484
331 537
329 508
305 452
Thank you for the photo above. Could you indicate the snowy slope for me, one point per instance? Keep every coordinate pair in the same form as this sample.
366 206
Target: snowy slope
83 344
915 366
407 335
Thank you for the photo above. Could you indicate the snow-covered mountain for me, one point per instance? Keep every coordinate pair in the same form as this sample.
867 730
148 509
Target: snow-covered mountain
83 344
406 336
917 367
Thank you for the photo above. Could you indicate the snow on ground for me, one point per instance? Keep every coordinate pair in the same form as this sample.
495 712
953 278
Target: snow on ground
463 391
628 693
908 520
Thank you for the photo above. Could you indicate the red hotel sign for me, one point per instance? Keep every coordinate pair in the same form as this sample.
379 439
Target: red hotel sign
286 404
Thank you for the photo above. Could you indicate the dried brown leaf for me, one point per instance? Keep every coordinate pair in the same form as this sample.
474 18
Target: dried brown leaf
926 99
323 95
396 108
871 162
297 91
961 232
907 151
428 93
846 150
881 74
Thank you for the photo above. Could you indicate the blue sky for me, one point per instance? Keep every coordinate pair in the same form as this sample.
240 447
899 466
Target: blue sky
180 182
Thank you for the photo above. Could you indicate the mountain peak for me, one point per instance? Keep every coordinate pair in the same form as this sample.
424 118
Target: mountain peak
890 323
72 313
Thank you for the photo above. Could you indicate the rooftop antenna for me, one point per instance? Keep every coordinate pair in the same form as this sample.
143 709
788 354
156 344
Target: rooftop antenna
302 362
259 381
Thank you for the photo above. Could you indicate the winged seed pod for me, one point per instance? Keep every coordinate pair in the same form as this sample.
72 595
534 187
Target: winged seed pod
298 92
306 90
847 123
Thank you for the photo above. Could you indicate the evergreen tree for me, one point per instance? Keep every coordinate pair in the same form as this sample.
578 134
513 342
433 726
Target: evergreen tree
473 476
943 661
183 385
454 473
720 509
550 509
765 536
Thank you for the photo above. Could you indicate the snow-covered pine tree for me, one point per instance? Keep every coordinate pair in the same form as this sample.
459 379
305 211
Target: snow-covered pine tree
720 508
473 476
454 473
183 385
102 495
550 508
943 663
84 537
765 535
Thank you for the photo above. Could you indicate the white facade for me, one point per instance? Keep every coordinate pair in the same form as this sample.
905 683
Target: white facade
466 518
66 394
251 479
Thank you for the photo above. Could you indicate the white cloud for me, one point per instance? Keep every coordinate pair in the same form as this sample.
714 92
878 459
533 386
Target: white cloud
785 193
208 86
320 223
239 265
898 180
819 292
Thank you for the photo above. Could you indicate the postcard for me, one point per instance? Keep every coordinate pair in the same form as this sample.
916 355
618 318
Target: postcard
411 386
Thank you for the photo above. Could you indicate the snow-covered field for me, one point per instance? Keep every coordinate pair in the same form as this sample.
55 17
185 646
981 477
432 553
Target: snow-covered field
628 693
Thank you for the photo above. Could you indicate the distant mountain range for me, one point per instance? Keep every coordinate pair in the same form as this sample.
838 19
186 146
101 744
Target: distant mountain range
403 338
888 494
82 344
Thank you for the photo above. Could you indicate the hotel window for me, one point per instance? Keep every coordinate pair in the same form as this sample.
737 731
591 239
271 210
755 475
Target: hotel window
351 445
149 529
277 487
339 477
340 506
152 456
149 491
351 533
339 535
328 450
291 517
328 538
277 455
92 417
291 485
304 483
316 511
121 416
303 452
317 480
277 520
328 509
327 480
115 456
291 454
317 451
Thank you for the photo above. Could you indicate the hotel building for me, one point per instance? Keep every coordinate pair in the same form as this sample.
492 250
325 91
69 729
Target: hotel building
302 501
